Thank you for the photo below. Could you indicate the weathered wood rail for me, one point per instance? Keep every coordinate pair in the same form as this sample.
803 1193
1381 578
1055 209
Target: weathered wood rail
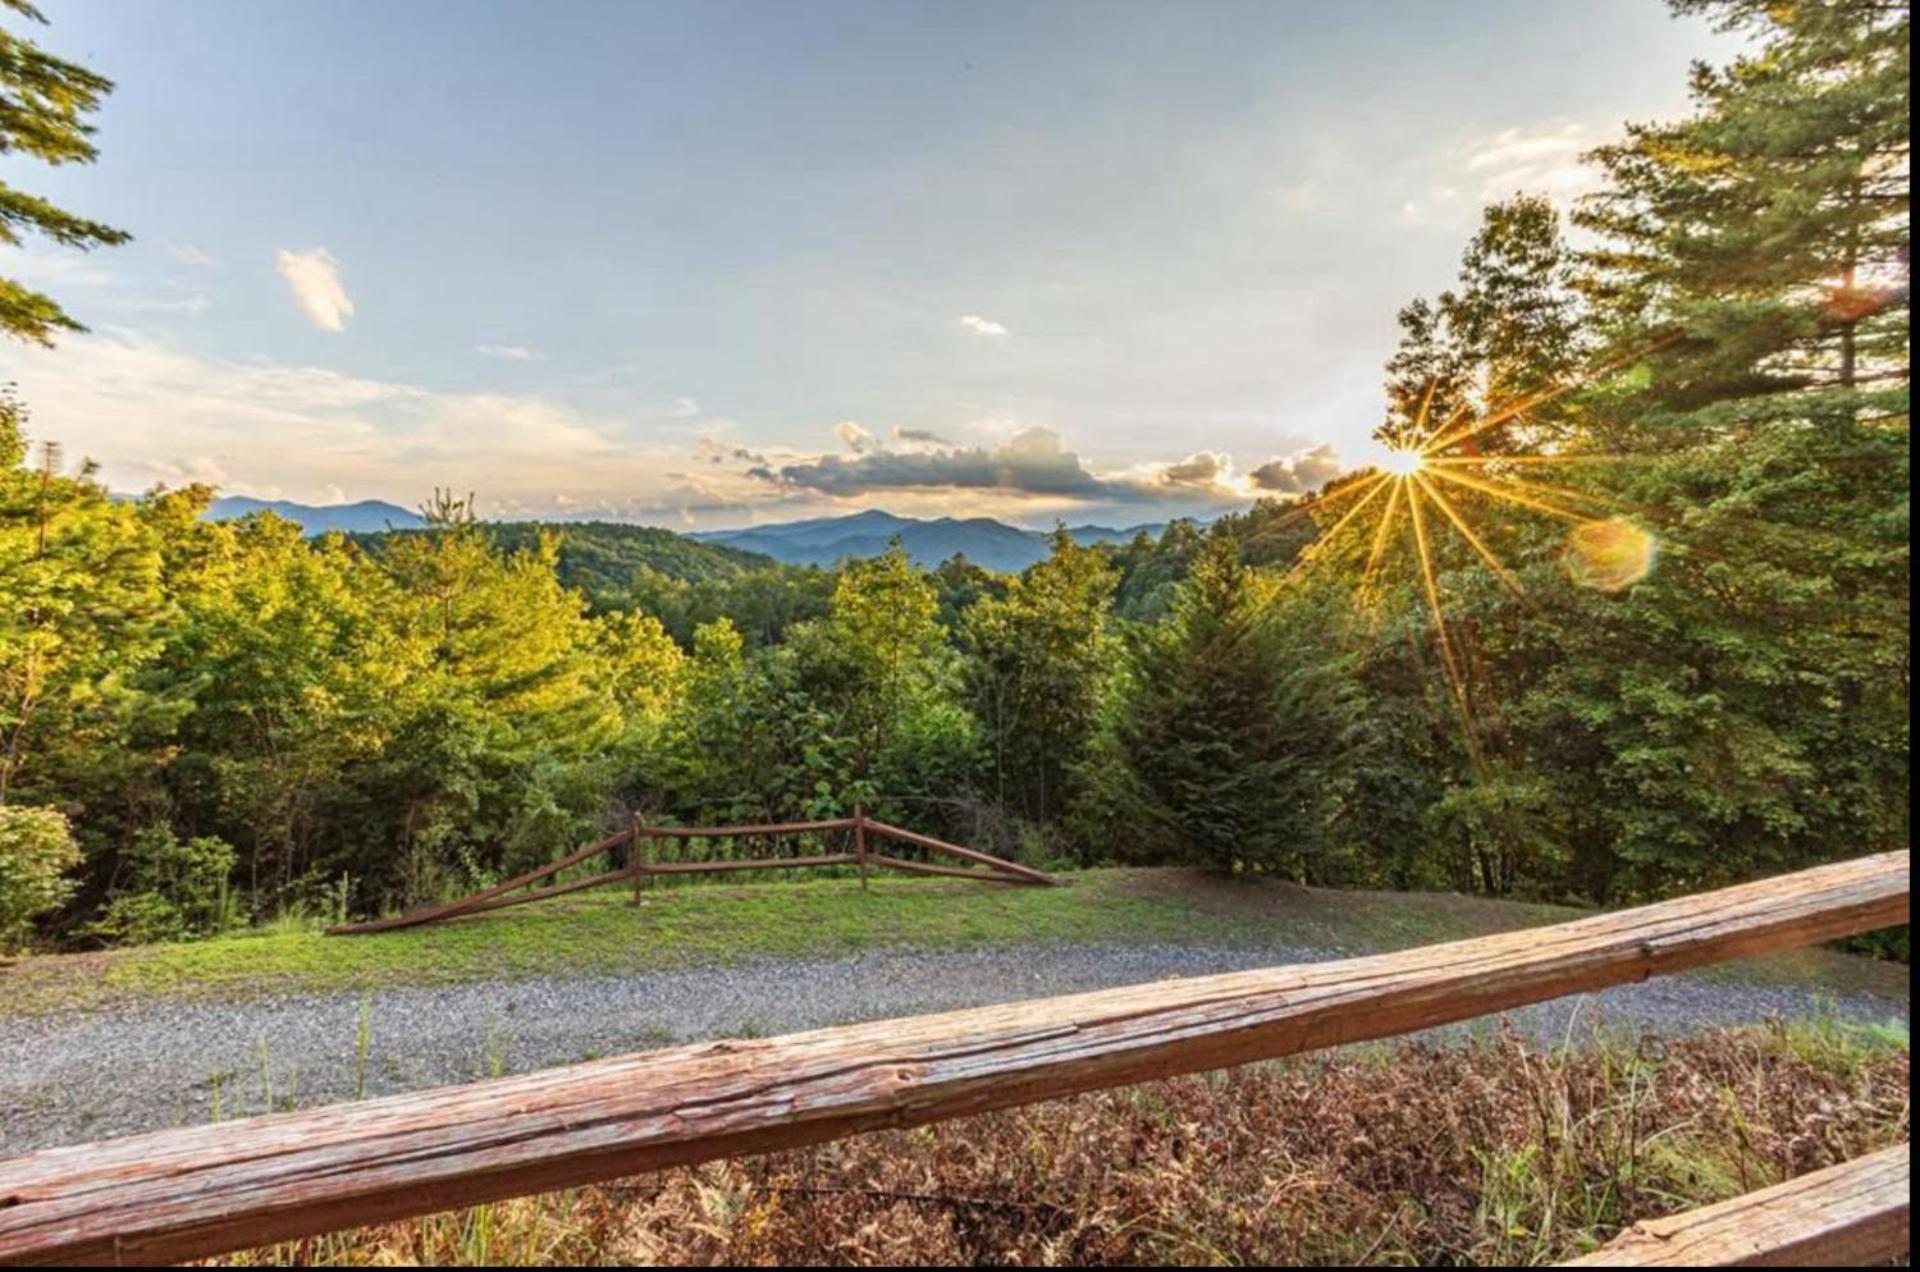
637 835
1850 1215
202 1190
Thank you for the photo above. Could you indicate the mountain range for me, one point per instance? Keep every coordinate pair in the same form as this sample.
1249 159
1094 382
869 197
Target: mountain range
365 517
816 541
982 540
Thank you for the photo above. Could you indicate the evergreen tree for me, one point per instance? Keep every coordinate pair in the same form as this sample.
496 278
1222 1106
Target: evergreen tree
1745 708
1226 730
45 102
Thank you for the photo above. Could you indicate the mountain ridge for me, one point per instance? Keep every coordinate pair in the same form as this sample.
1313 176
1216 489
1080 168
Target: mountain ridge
982 540
365 516
820 541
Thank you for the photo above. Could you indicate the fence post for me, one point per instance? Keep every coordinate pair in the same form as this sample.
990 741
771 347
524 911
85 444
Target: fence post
635 837
860 844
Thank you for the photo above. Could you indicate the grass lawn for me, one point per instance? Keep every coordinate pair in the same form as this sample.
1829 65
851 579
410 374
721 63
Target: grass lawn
600 933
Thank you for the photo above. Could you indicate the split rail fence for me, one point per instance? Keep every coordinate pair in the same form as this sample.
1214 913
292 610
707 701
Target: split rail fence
200 1191
641 865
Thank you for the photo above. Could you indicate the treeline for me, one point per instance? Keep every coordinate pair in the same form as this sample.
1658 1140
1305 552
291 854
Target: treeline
205 722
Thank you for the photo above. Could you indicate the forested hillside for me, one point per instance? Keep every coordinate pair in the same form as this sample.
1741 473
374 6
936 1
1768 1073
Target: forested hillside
1660 645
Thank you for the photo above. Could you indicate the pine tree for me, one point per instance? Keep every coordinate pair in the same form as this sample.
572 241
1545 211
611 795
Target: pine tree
1227 727
1772 226
45 102
1745 708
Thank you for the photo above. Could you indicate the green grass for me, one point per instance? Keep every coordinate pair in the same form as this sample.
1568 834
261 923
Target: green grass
599 933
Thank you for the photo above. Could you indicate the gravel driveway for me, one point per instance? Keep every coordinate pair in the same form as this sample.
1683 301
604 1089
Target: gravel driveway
80 1077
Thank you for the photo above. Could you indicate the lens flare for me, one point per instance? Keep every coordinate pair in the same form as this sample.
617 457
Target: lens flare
1610 555
1439 478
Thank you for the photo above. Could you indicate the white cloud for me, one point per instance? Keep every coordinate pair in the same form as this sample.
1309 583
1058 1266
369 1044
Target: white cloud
314 276
1544 159
510 353
150 412
38 266
856 436
982 326
188 254
1300 196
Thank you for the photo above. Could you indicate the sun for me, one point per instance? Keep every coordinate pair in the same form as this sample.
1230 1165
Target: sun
1404 462
1435 479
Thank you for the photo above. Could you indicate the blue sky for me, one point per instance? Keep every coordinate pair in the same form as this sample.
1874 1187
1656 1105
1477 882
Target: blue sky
713 263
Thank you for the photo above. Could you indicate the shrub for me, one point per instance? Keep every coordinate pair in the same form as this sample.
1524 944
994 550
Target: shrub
179 889
36 851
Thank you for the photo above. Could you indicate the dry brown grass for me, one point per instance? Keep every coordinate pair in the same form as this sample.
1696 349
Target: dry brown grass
1491 1154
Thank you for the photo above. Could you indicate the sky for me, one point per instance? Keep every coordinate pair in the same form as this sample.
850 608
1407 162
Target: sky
714 263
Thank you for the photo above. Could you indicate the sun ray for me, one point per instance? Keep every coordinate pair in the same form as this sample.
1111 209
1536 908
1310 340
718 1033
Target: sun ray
1486 461
1466 532
1515 490
1431 582
1382 533
1455 438
1376 484
1306 508
1504 490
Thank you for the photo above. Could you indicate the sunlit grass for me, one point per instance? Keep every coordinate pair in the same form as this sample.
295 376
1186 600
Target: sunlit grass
597 933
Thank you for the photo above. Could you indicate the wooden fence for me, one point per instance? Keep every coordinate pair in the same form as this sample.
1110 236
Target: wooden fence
638 837
201 1190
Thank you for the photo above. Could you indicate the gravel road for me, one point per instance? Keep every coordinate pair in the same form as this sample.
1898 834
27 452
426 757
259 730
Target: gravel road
71 1078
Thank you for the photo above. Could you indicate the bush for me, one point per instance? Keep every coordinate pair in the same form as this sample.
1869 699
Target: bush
36 851
179 890
140 918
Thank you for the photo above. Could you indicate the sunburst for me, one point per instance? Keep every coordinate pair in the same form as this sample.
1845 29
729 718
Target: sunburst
1433 481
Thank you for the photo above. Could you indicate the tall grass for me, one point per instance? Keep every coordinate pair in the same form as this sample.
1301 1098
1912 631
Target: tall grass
1491 1153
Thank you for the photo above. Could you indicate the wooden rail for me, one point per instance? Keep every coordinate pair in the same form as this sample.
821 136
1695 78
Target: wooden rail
199 1191
501 895
1850 1215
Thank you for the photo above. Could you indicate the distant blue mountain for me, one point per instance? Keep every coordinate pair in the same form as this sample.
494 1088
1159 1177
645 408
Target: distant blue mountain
364 517
982 540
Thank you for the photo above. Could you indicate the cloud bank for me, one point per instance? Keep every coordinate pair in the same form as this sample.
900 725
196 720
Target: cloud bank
153 413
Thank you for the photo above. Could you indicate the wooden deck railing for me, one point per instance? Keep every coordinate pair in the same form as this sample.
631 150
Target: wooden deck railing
860 830
202 1190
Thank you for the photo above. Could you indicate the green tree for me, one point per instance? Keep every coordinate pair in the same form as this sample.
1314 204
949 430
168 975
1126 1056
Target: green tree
82 612
36 853
1771 226
1510 331
45 104
1746 708
1227 732
1037 661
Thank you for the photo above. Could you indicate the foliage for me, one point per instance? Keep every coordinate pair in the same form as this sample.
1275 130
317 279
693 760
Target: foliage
36 851
1226 728
172 889
47 101
1037 664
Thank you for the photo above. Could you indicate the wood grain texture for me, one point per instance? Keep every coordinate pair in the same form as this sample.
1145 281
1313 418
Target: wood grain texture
1850 1215
202 1190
